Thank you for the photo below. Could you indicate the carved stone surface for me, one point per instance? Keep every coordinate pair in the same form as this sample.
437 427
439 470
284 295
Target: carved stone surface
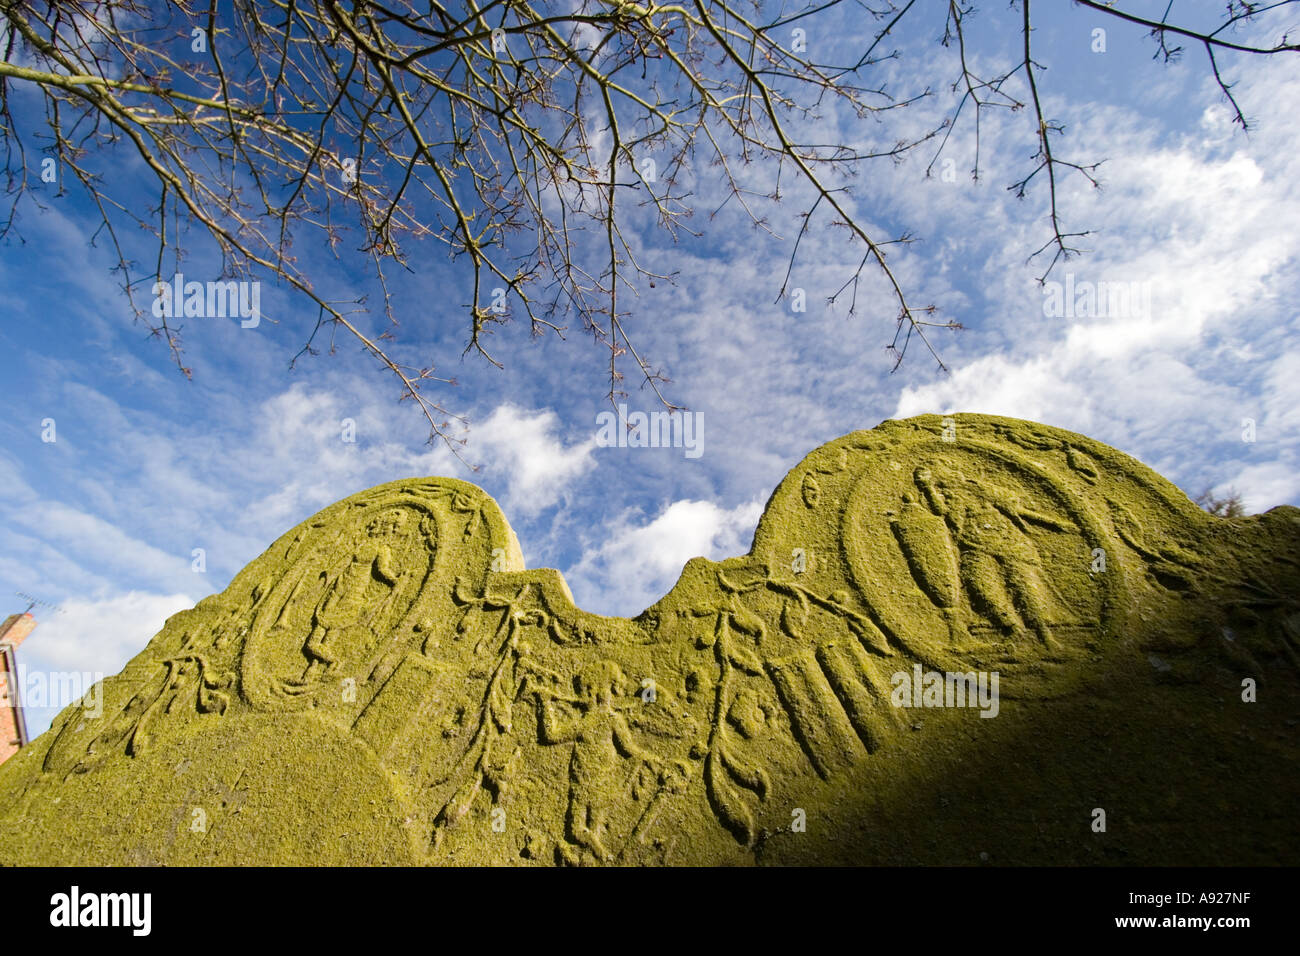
387 684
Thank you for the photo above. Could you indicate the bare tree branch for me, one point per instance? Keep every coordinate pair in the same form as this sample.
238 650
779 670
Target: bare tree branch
516 134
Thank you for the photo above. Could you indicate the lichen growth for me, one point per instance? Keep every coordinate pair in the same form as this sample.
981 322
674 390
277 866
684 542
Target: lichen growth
388 685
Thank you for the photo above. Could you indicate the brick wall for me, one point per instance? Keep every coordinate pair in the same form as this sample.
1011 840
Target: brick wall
13 730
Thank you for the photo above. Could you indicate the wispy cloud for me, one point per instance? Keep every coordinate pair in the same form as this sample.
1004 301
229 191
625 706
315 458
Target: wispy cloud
626 568
92 636
526 453
1197 221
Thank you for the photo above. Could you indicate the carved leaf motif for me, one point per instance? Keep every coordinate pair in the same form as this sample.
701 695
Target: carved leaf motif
747 775
1082 464
744 658
869 634
745 621
499 704
212 701
457 806
810 490
794 615
728 801
559 634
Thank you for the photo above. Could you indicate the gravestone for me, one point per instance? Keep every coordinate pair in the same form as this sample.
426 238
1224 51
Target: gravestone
954 641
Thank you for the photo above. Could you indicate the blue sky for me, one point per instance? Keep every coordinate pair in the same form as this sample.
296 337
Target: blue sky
148 466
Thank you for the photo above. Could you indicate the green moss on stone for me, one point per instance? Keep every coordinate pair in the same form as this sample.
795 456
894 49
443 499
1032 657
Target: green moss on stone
388 685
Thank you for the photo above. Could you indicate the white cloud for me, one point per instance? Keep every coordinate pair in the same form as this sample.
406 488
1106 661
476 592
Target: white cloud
636 564
101 633
94 636
92 540
1263 486
1200 223
523 449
